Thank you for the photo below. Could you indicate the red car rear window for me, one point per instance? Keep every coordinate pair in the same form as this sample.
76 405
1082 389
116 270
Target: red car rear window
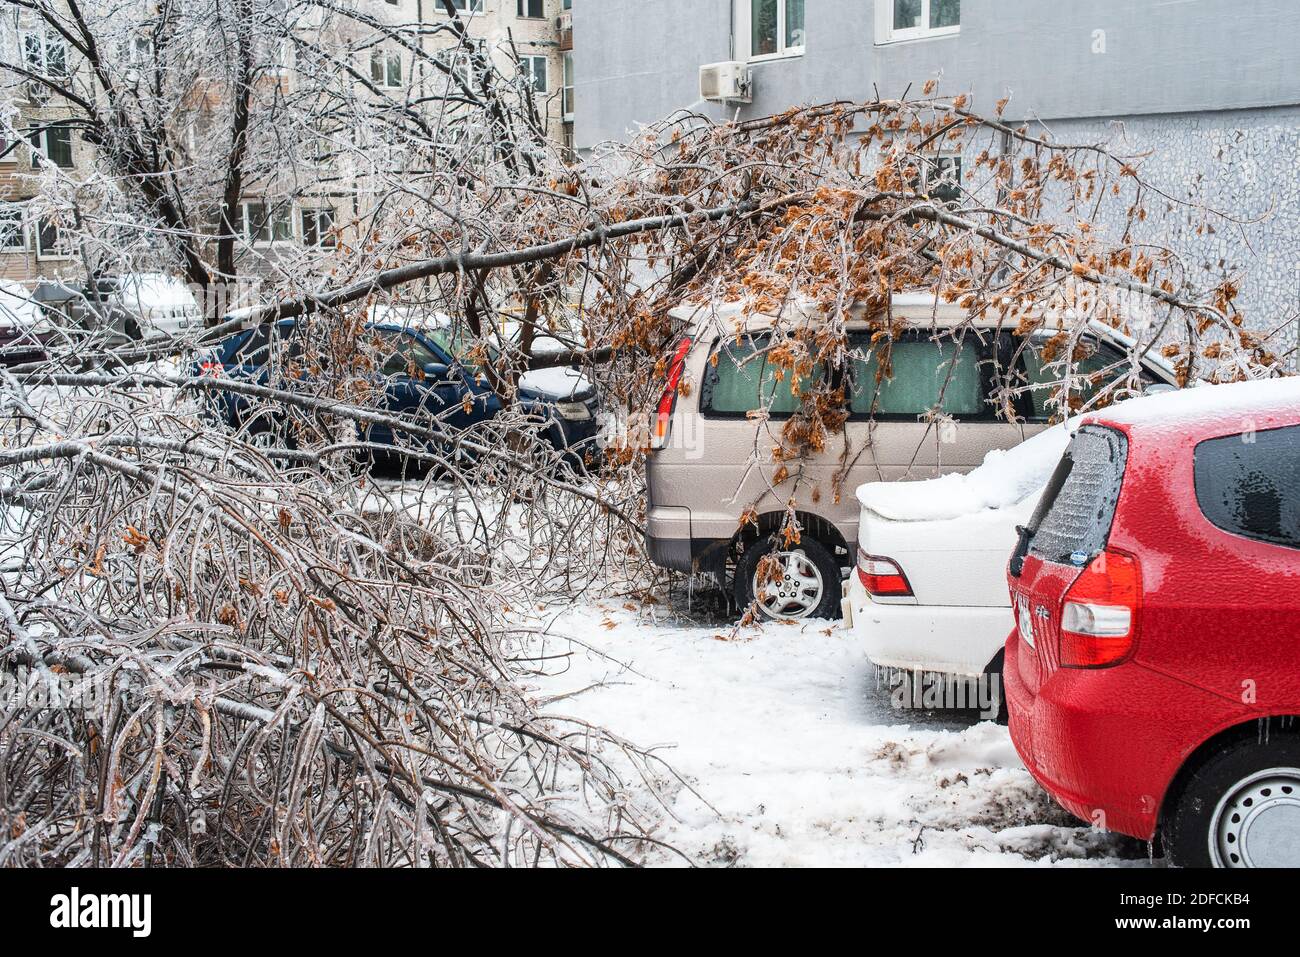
1076 523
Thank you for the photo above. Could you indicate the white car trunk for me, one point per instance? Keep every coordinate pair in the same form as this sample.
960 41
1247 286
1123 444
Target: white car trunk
952 536
957 561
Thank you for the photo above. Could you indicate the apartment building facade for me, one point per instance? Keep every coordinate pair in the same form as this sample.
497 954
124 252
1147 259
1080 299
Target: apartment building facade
323 185
1209 89
534 30
48 145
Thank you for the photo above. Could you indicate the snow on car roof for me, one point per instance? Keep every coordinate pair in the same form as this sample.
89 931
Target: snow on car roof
914 307
1005 478
1206 401
917 307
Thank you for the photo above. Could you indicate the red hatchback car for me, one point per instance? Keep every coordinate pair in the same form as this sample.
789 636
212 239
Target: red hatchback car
1153 676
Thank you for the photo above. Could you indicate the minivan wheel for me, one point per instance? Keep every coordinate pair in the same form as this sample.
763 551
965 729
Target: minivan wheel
1241 808
804 582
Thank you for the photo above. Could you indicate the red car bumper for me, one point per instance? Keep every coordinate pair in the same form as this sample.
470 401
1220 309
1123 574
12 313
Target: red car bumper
1076 735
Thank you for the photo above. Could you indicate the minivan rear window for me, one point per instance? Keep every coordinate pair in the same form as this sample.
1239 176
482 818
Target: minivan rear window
1249 484
1076 524
742 380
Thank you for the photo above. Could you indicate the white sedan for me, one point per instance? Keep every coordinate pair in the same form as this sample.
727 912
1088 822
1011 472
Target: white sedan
929 593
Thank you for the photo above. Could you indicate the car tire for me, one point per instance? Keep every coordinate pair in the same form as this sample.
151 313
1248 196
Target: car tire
996 667
1229 809
816 561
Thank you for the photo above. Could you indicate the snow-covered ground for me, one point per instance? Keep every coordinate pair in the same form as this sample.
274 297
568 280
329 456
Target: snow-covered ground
785 733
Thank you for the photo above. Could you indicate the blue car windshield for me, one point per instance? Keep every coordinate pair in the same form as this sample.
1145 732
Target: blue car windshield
462 347
405 355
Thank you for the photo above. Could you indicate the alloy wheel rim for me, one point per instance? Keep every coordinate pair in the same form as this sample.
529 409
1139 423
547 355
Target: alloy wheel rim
797 593
1257 821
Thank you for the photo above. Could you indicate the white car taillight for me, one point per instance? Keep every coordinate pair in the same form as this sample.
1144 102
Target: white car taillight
882 576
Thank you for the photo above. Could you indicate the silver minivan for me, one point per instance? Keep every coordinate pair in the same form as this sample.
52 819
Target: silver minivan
714 505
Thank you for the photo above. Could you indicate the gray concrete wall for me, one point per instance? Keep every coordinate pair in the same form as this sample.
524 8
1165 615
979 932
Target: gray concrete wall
637 60
1211 88
1243 162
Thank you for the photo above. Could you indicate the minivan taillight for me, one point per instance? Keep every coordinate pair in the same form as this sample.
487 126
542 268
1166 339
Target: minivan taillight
1100 611
882 577
667 401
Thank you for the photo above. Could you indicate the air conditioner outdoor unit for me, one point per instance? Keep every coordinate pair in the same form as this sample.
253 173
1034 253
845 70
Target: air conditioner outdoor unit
729 82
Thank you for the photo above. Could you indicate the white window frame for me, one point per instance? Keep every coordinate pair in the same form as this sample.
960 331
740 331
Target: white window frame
44 39
323 239
246 222
41 253
41 149
885 32
566 88
528 62
280 56
520 5
15 210
9 149
387 58
744 41
457 61
468 8
932 171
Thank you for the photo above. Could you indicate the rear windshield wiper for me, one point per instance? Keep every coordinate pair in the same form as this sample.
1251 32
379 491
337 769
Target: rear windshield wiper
1025 533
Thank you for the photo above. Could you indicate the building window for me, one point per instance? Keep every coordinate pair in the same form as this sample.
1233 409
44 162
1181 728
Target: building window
916 19
568 86
774 27
456 66
386 68
52 144
11 228
137 50
534 68
531 9
317 227
468 6
49 241
940 178
46 53
278 56
261 224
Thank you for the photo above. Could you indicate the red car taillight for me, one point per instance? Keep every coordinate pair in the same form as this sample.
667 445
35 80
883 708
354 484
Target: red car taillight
882 576
1099 612
664 413
210 367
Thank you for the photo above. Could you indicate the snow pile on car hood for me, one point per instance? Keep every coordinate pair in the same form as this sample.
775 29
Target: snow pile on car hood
1005 478
559 383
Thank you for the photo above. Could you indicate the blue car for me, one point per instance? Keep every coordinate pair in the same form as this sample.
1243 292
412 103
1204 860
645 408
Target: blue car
424 375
